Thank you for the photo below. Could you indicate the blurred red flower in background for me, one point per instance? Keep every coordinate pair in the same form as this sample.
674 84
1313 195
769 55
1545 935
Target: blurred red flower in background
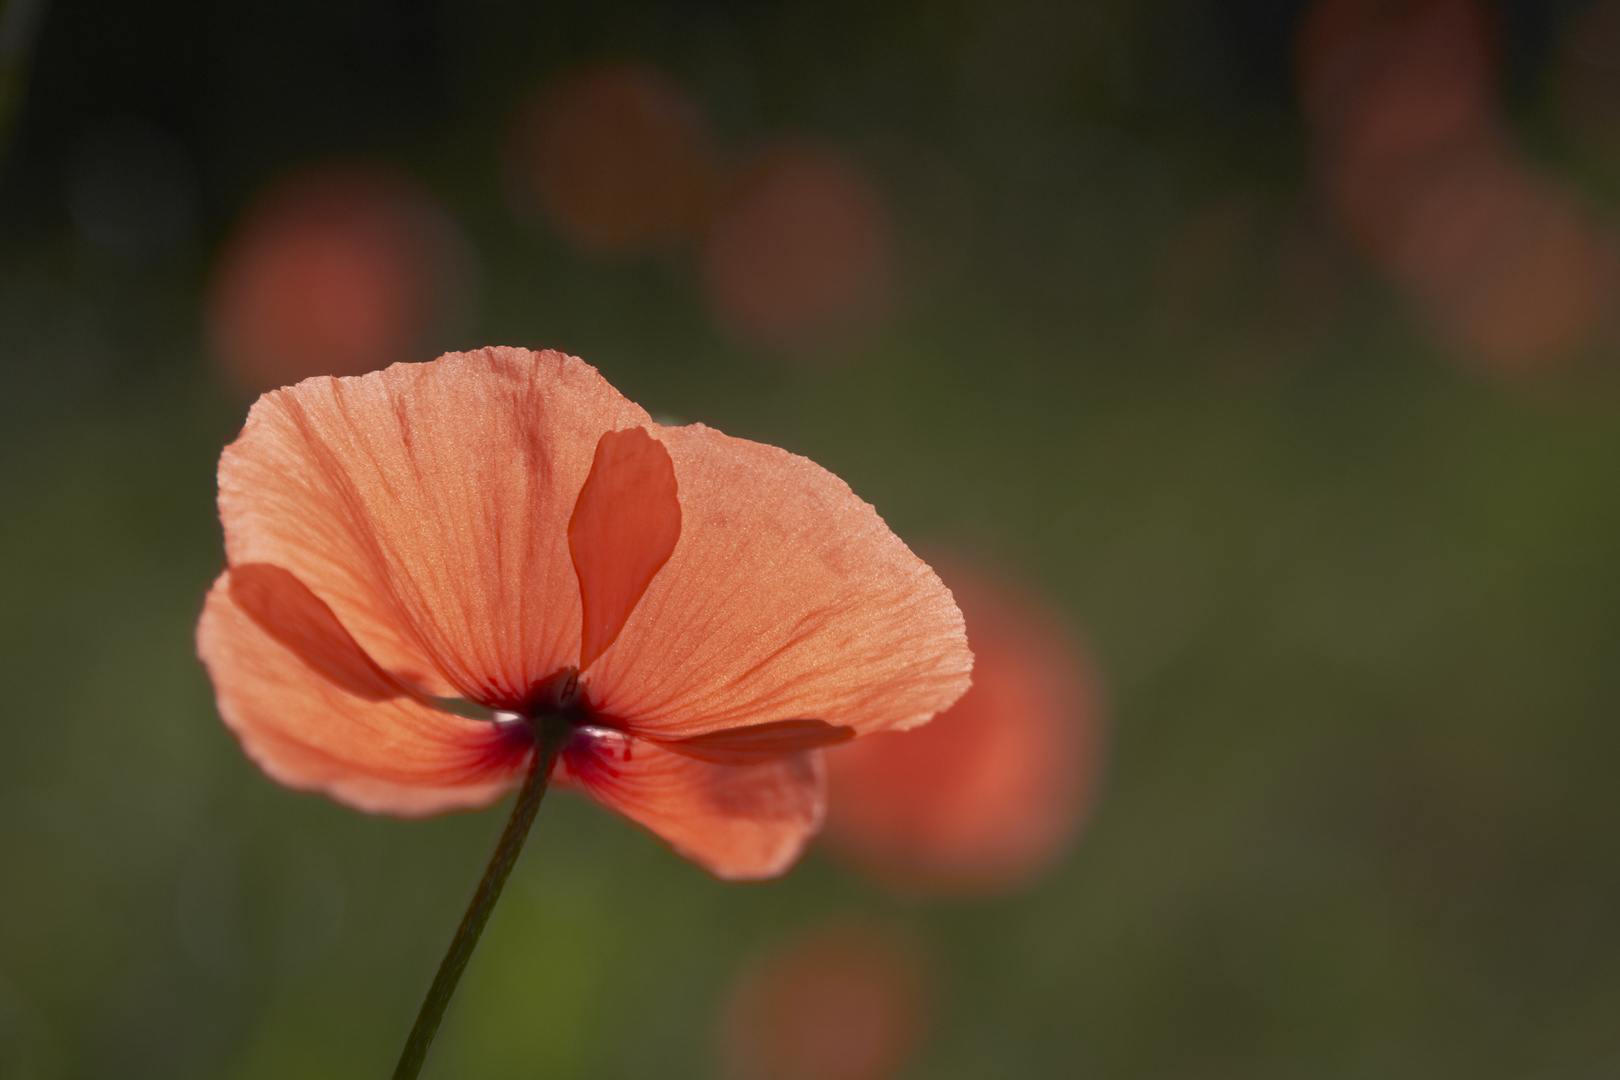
337 270
844 1002
1585 80
803 254
1508 268
617 156
502 534
986 796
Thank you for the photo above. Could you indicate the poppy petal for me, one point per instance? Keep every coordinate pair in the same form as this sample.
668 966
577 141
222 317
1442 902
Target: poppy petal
746 745
739 822
625 526
284 608
428 506
787 596
308 729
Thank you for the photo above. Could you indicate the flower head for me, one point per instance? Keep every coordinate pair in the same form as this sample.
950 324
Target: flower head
427 561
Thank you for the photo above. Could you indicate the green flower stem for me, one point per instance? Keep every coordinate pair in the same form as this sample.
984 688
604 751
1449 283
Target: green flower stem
549 738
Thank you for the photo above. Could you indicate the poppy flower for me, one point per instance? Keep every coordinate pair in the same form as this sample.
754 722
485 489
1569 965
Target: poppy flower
424 561
844 1002
991 792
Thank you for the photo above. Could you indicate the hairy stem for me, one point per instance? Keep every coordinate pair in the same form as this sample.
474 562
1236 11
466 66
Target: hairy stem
548 742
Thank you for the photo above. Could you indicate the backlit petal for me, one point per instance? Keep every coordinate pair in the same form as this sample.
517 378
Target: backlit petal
284 608
428 505
624 527
739 822
787 597
305 730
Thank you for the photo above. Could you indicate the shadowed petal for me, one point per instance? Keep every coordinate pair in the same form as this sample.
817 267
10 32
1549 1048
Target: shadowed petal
428 506
305 730
786 596
739 822
624 527
297 618
747 745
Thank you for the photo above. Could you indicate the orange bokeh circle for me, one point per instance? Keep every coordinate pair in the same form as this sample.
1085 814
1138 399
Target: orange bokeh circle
336 270
845 1002
988 794
804 254
617 156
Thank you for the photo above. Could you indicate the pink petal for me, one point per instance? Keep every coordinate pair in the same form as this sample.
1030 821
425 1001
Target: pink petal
624 528
739 822
787 597
308 730
428 505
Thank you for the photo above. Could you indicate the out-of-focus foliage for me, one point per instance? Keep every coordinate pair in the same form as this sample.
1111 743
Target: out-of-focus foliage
1354 598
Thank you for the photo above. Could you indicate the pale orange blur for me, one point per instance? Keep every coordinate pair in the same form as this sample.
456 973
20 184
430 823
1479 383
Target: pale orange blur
617 157
847 1002
804 255
988 794
1509 270
337 270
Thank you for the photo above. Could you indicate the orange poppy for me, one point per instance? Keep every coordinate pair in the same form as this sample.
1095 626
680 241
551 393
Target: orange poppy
422 559
990 793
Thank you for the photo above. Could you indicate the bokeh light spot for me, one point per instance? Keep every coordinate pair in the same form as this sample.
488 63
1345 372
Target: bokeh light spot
1509 270
618 157
804 255
338 270
987 794
845 1002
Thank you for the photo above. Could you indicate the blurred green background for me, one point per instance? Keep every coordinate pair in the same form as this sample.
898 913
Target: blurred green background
1356 604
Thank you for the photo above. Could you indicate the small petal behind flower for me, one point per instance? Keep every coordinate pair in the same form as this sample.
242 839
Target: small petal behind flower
285 609
310 731
625 525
